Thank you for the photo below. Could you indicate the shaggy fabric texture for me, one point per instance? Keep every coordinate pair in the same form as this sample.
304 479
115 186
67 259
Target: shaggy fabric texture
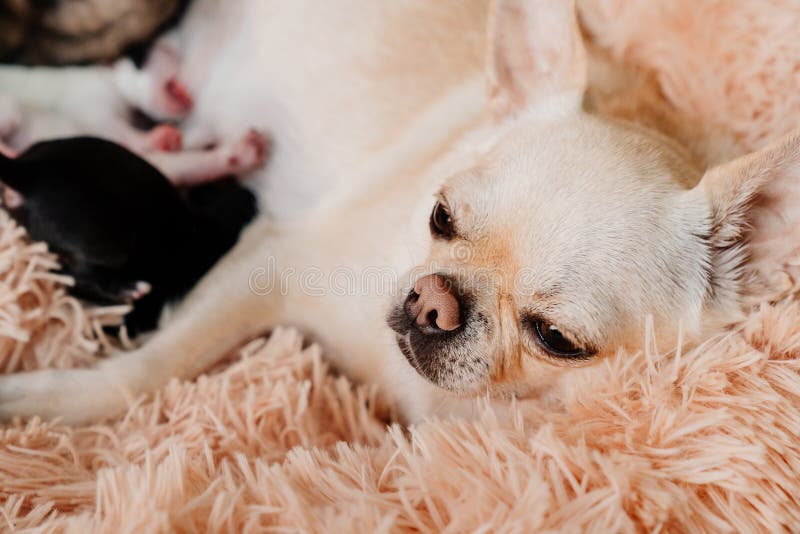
704 440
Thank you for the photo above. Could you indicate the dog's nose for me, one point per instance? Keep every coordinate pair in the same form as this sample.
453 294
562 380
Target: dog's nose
433 305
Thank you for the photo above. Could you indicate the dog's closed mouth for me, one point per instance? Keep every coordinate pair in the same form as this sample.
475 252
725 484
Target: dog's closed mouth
398 322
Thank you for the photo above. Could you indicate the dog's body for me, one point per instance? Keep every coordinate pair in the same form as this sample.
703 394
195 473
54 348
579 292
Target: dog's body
370 123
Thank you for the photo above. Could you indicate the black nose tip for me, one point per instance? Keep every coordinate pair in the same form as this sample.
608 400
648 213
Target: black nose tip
433 306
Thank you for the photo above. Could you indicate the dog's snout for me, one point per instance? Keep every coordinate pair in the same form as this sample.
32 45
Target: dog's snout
443 333
433 305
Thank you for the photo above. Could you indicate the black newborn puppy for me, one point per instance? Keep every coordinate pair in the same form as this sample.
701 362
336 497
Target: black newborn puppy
119 227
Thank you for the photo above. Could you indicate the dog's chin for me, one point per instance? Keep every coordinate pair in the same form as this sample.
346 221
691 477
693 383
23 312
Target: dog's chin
439 380
430 368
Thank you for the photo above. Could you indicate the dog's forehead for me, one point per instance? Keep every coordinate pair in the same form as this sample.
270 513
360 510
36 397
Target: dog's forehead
562 174
580 154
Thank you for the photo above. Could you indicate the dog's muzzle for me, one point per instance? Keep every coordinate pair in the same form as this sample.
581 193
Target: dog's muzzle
432 330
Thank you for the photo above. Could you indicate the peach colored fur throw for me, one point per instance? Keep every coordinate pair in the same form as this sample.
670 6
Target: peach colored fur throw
707 440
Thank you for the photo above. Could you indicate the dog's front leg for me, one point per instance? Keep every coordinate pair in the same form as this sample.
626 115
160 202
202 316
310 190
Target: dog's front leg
215 318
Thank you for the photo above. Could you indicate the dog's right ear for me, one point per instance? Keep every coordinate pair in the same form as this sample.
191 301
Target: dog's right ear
754 217
535 52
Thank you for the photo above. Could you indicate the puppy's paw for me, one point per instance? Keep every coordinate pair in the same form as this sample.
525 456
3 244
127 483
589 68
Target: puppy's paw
10 116
248 154
136 291
165 138
11 199
179 98
170 99
7 151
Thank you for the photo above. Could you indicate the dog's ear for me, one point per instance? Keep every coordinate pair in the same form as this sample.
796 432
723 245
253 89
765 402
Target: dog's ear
755 219
535 51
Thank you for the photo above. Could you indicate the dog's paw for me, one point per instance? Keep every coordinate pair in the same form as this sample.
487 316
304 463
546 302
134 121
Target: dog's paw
74 395
248 154
165 138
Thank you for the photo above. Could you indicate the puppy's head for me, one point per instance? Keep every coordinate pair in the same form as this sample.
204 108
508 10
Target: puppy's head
570 231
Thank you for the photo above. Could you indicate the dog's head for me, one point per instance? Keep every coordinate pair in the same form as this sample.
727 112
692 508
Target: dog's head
553 250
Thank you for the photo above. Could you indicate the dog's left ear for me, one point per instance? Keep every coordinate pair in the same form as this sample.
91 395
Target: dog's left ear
754 217
535 52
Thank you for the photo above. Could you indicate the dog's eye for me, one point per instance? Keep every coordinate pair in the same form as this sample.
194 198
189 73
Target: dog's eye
553 341
441 221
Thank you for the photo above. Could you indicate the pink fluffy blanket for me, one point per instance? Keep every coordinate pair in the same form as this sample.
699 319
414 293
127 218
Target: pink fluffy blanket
704 440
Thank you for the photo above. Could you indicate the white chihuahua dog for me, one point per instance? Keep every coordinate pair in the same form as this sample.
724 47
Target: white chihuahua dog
531 239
